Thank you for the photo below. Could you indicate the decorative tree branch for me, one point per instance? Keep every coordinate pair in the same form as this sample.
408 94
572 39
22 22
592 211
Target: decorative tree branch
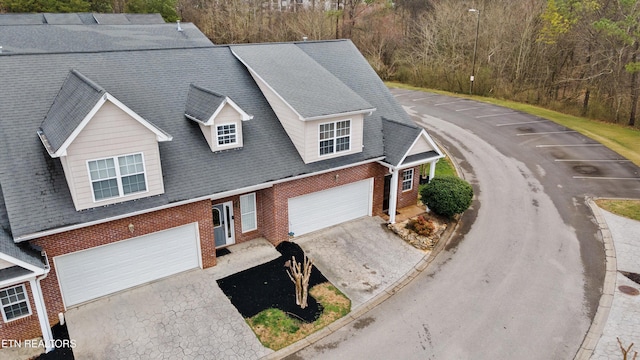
299 273
626 352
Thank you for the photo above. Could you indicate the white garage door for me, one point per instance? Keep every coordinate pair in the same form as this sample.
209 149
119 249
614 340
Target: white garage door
325 208
92 273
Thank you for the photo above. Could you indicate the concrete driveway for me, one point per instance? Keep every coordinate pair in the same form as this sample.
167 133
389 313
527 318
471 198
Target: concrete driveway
187 316
361 257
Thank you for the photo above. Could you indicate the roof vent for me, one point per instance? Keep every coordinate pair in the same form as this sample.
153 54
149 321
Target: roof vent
0 49
179 27
304 38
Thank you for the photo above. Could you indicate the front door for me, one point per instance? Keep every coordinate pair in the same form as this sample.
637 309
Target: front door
223 230
386 192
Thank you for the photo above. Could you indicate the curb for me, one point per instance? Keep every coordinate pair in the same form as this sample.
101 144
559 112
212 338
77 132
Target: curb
608 288
362 309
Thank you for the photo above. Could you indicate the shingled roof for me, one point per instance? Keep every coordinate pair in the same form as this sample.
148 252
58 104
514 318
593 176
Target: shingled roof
156 84
311 90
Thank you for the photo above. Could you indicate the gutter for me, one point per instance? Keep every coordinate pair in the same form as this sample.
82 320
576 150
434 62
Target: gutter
38 299
190 201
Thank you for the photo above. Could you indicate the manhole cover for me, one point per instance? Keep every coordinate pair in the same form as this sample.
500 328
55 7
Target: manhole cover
629 290
585 169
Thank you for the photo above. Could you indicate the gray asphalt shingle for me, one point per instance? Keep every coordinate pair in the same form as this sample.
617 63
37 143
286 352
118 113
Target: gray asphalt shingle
156 85
202 103
305 85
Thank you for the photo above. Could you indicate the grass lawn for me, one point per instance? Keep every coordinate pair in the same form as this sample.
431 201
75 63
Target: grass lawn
622 139
276 330
627 208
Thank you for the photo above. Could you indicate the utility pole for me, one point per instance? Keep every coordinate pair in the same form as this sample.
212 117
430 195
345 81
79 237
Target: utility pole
475 49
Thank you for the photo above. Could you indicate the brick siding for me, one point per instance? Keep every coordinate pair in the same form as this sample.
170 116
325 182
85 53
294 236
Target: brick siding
118 230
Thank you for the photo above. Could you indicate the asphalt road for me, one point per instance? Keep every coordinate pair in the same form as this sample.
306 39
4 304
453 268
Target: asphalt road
522 277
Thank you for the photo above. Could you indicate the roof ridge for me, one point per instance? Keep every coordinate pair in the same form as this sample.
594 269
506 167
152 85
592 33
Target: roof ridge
207 90
87 81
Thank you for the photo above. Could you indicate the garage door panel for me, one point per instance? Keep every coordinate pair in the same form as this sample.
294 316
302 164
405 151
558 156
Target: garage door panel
329 207
96 272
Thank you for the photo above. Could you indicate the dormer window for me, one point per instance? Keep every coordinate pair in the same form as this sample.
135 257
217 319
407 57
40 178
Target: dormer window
117 176
220 118
335 137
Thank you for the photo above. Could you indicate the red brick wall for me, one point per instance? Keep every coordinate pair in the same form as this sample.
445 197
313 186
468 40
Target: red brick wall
276 216
408 198
118 230
25 328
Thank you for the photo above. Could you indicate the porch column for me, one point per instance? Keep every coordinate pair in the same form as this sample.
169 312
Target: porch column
393 196
432 169
43 318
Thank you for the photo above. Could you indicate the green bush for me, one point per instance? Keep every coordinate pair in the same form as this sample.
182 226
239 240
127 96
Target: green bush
447 195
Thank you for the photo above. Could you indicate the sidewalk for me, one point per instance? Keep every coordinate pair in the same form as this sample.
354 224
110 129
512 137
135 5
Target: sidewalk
618 315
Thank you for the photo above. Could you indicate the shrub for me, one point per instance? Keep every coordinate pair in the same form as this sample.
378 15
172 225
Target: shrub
447 195
422 226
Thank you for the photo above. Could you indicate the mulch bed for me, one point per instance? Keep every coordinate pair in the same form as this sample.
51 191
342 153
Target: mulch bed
632 276
268 286
59 332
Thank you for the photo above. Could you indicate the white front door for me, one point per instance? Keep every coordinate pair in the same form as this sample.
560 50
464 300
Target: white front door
223 229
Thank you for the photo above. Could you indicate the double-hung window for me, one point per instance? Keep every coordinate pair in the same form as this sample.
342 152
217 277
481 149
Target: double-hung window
117 176
15 303
407 180
226 134
248 212
335 137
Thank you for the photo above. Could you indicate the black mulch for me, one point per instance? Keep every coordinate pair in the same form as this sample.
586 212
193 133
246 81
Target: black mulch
268 286
59 332
632 276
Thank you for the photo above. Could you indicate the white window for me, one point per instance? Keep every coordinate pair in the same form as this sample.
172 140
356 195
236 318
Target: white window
226 134
117 176
407 180
15 303
248 212
335 137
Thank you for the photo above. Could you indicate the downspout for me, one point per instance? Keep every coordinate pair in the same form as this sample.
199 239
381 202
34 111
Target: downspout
38 299
393 195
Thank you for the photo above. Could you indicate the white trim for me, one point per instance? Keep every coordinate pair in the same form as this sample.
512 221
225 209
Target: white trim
18 262
347 114
393 196
189 201
423 133
41 309
26 299
412 170
16 280
121 193
160 135
255 213
235 134
244 116
334 138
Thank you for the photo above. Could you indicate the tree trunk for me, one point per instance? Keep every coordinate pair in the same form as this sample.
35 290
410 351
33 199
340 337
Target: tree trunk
299 273
634 87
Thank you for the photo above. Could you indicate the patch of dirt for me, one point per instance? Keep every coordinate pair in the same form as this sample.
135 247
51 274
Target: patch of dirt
424 243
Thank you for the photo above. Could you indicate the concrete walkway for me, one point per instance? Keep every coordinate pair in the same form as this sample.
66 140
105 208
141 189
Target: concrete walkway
624 314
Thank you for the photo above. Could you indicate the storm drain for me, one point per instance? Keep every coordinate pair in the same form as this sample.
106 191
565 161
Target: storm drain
628 290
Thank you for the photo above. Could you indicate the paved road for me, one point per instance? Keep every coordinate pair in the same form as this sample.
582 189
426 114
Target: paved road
522 278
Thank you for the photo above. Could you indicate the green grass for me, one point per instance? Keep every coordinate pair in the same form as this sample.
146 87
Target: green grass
627 208
622 139
276 330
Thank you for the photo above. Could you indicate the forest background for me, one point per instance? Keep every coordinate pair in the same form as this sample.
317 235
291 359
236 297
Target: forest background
579 57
